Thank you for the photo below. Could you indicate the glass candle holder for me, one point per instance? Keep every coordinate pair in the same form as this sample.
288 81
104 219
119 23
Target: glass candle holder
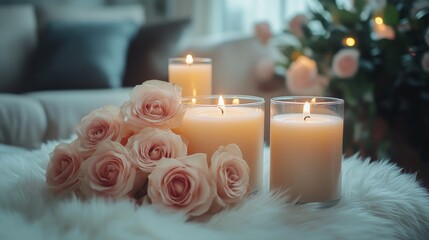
306 138
194 75
208 124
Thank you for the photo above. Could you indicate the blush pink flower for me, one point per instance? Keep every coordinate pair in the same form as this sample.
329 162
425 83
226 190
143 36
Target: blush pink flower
425 62
345 63
296 24
62 173
384 31
155 103
302 77
151 144
230 173
109 172
99 125
182 184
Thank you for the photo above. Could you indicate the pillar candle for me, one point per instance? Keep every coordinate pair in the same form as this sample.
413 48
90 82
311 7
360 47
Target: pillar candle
206 127
194 75
306 152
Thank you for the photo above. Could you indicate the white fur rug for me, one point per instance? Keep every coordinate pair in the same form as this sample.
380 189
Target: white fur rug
379 202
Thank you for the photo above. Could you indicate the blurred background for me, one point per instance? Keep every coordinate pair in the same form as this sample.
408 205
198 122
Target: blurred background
372 53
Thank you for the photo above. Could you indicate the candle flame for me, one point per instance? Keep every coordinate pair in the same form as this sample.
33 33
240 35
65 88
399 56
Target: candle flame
236 101
221 105
306 110
194 100
189 59
349 41
313 101
378 20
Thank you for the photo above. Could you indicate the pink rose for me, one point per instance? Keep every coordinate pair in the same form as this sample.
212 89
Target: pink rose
345 63
302 77
125 133
154 103
263 32
108 172
230 173
62 173
383 31
99 125
182 184
296 24
151 144
425 62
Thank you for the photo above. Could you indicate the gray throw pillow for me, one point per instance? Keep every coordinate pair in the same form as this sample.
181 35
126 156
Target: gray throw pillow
152 47
81 55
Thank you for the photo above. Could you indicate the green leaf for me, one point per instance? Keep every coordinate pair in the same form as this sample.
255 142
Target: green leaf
359 5
345 17
319 17
327 4
390 15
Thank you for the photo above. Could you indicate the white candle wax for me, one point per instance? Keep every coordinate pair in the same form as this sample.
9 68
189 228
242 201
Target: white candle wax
306 156
195 78
207 128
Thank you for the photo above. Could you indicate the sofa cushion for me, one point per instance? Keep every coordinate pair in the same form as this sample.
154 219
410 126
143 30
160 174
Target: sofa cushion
149 52
68 13
64 109
22 121
81 55
17 41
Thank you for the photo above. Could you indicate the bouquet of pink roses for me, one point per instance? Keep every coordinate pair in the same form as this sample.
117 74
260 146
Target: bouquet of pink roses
131 152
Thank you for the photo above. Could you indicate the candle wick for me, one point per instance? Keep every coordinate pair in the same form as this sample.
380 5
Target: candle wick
305 118
220 109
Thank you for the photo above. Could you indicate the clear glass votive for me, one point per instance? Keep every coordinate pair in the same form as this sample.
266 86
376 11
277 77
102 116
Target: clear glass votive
194 75
306 141
208 124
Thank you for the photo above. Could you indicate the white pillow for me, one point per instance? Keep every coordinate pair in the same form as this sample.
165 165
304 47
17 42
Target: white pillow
23 121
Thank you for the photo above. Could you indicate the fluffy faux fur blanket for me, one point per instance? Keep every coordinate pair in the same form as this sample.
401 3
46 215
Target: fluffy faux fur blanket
379 202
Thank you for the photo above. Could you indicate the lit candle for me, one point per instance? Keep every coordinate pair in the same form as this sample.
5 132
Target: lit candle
194 75
306 148
211 123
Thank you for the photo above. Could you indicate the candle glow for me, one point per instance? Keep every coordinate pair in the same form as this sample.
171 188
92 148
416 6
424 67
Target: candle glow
189 59
349 41
378 20
221 105
306 110
236 101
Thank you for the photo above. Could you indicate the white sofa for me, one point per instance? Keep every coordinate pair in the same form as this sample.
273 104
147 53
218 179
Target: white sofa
29 119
